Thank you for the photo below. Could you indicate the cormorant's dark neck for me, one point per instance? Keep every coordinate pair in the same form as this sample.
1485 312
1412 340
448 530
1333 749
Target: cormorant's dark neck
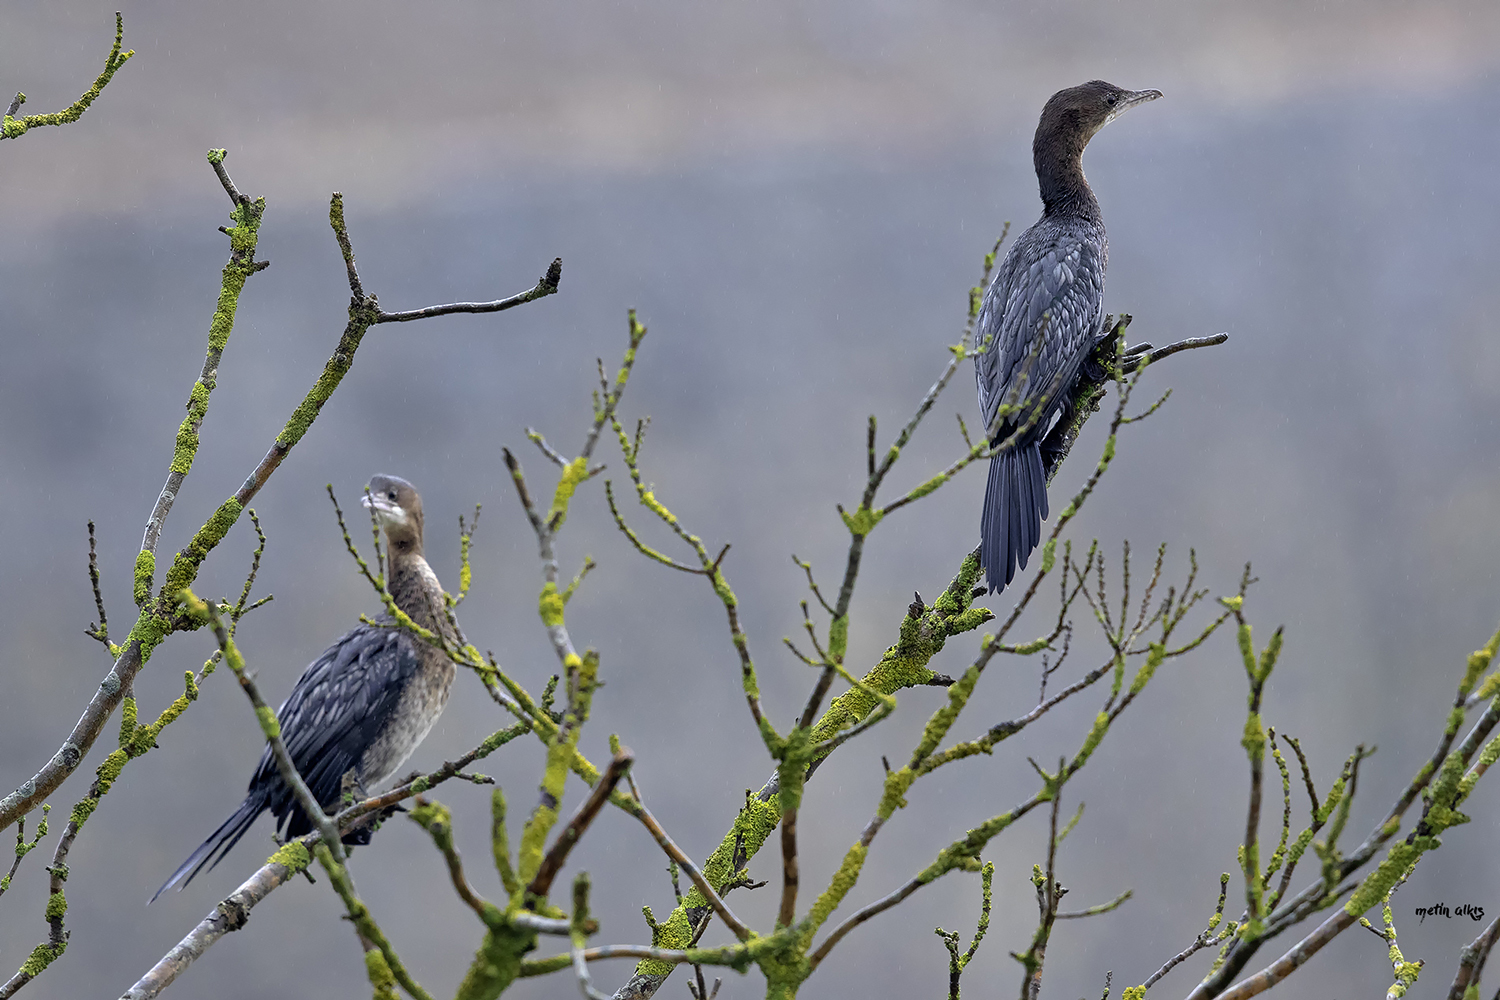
1057 152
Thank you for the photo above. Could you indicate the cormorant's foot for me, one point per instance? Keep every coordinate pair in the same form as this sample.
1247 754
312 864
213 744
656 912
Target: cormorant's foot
359 836
1055 445
1093 370
351 789
364 829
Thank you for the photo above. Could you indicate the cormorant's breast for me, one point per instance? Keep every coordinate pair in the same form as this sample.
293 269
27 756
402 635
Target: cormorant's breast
363 705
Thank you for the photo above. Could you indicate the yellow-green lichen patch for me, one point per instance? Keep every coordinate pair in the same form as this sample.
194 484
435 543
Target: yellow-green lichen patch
184 569
187 431
573 473
838 887
550 606
145 571
862 521
42 956
268 723
293 856
382 981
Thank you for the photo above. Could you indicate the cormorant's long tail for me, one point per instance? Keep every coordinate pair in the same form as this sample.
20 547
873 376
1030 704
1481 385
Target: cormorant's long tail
1015 502
218 843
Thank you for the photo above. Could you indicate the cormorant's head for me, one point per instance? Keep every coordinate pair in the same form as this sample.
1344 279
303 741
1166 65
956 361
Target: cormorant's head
1071 117
398 508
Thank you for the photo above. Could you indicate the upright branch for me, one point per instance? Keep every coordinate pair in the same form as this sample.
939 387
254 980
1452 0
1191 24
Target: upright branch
1472 959
956 962
1257 671
1049 893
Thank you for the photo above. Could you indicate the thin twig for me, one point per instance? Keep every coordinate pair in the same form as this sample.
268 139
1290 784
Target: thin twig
1203 940
1134 360
546 449
101 630
1094 911
546 285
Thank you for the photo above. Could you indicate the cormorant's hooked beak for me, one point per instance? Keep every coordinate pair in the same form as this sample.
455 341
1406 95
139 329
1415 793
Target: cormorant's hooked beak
1128 101
386 511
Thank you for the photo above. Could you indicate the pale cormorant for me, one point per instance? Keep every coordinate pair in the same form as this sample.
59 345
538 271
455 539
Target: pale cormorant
361 707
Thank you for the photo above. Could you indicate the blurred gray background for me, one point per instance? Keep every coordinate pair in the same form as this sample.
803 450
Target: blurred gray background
796 196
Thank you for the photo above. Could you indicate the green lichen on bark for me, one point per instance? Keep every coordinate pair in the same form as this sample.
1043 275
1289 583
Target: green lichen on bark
751 828
184 569
187 431
497 964
862 521
268 723
14 128
500 844
127 720
363 313
550 605
293 856
1148 670
1254 738
42 956
145 572
573 473
904 665
104 778
1092 740
838 887
382 981
562 749
964 852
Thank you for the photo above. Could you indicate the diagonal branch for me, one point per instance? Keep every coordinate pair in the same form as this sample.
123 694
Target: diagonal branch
232 912
674 852
541 883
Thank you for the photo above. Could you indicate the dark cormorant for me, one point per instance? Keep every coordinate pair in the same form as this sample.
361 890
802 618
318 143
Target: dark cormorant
1050 284
365 704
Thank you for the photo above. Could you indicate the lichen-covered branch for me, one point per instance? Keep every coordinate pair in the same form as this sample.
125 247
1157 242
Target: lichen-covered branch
12 127
956 962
